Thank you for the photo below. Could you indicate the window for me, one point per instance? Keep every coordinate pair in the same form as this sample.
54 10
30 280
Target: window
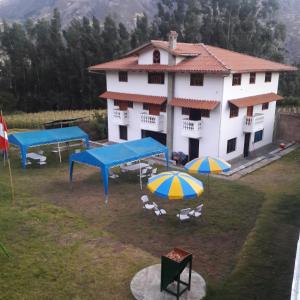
236 79
231 145
265 106
145 106
268 77
252 78
197 79
163 107
123 76
258 136
116 103
234 111
205 113
130 104
123 132
156 57
185 111
156 78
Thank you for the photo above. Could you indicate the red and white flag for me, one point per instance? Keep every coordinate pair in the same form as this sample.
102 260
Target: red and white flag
3 135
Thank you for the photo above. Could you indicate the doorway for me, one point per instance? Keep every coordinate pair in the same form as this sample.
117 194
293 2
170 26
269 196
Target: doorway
193 148
247 144
195 114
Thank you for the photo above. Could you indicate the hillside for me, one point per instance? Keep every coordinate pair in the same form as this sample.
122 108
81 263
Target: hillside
124 10
290 16
127 10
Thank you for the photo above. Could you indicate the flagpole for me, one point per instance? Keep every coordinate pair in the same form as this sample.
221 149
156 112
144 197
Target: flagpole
9 168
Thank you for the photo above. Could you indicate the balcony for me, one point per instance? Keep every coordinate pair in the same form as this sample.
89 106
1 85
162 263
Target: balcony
120 117
152 122
254 123
191 129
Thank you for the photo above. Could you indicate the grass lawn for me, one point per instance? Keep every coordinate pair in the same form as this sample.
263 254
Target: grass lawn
67 244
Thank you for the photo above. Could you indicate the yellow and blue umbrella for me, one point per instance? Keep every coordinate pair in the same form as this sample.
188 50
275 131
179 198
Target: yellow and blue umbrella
175 185
207 165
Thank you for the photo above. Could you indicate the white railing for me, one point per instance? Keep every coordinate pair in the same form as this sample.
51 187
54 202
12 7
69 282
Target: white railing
254 123
120 117
191 128
152 122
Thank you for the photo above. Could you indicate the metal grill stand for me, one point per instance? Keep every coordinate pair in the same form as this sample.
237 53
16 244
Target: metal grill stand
172 265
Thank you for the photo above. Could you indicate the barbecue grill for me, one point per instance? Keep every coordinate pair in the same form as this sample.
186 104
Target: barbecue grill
172 265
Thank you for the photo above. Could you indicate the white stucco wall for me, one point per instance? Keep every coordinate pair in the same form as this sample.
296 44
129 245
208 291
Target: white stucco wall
233 127
212 88
208 143
146 58
137 84
134 126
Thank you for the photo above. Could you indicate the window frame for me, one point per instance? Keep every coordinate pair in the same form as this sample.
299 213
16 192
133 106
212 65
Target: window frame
233 111
205 113
265 106
157 80
123 76
156 60
258 136
196 79
185 111
268 77
231 147
145 106
117 103
236 81
252 79
130 104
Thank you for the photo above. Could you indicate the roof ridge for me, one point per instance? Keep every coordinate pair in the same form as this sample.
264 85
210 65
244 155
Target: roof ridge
215 57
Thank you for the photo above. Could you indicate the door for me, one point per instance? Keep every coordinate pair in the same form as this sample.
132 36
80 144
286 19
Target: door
246 144
158 136
193 148
195 114
249 111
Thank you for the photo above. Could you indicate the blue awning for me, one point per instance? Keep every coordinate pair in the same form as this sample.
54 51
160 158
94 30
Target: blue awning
25 140
114 155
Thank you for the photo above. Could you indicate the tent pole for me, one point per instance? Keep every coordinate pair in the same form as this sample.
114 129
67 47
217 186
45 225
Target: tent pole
59 152
141 183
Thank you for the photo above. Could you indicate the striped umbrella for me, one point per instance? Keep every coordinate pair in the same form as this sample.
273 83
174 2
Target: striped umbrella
207 165
175 185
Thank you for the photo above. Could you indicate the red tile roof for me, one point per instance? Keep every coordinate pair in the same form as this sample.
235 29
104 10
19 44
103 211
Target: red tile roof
199 58
134 97
255 100
192 103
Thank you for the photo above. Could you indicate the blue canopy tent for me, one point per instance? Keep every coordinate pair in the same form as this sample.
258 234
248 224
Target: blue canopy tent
114 155
25 140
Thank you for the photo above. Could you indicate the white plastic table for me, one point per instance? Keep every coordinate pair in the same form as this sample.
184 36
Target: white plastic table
134 167
36 156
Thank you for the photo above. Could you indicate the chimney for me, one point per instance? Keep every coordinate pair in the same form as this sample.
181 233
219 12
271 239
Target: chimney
173 40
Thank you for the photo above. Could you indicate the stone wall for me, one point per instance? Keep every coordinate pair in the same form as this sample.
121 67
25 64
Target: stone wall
288 127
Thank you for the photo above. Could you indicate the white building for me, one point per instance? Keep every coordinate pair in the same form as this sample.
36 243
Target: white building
197 99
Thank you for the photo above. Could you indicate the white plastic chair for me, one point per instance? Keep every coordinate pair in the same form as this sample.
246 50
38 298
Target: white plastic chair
197 212
146 203
184 214
153 172
159 211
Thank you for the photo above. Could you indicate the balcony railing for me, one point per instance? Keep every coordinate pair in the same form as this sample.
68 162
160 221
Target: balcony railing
152 122
120 117
254 123
191 129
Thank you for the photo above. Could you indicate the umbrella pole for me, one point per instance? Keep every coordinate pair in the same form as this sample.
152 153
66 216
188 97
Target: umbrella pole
208 191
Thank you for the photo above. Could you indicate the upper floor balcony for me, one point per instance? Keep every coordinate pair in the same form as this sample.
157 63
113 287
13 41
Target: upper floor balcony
253 123
191 129
152 122
120 117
